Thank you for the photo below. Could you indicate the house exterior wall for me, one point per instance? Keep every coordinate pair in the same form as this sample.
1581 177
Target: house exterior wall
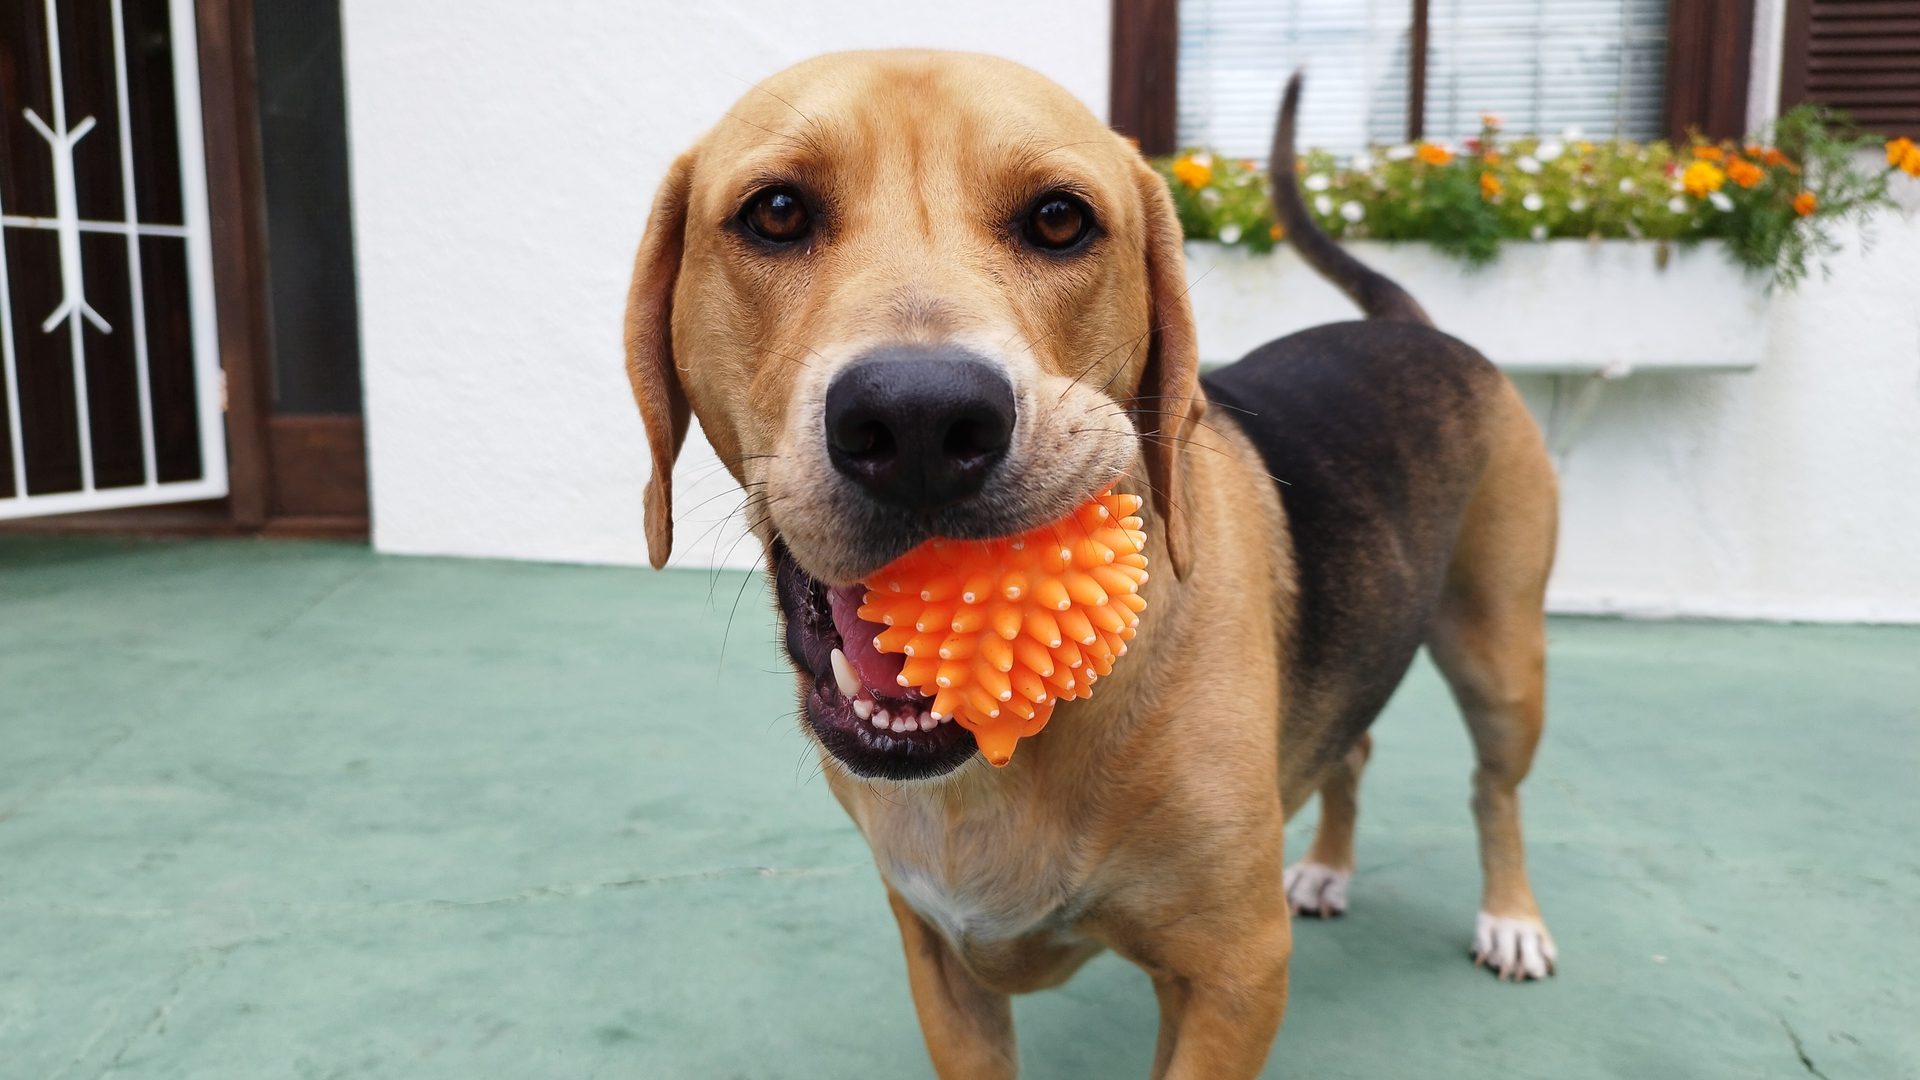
504 156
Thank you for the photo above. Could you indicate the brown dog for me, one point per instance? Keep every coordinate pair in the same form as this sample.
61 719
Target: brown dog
915 294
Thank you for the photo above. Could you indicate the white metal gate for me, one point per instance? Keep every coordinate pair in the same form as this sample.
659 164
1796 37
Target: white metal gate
112 375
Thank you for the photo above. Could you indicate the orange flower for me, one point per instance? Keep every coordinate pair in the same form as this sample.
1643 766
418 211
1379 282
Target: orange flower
1493 157
1275 232
1434 154
1804 203
1192 171
1701 178
1489 186
1904 155
1774 158
1755 150
1744 172
1708 153
1489 120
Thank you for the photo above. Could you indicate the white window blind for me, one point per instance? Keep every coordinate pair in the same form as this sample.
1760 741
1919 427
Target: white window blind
1234 54
1541 65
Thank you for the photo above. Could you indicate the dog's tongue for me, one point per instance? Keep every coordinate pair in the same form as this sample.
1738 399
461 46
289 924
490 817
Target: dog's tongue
879 671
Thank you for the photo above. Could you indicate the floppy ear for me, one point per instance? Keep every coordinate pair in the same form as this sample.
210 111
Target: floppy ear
1170 402
650 366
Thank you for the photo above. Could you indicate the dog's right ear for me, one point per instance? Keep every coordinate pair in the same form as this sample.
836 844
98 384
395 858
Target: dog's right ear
650 364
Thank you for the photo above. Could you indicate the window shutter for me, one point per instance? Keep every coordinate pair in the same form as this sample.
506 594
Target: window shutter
1862 56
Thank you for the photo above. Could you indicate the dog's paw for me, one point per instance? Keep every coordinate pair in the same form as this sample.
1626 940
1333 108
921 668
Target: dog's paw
1317 889
1513 947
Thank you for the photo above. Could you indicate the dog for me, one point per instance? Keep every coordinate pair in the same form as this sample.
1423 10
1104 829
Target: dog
916 294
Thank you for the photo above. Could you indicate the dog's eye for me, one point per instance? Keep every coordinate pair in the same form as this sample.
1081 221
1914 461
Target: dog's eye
1058 221
777 215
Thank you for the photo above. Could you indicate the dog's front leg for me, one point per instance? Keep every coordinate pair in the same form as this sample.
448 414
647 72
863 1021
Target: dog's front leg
968 1028
1219 1023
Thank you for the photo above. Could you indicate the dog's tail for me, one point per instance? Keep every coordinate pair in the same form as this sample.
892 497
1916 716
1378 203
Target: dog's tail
1376 293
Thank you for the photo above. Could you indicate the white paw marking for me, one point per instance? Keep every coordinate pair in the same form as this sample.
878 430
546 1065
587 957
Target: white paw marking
1317 889
1513 947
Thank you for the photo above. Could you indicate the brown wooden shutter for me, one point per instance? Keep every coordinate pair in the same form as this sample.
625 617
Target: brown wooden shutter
1861 56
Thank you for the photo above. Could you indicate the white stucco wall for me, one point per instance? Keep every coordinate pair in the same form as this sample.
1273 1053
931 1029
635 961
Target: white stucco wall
504 157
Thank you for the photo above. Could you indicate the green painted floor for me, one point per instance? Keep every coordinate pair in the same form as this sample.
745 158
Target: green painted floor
296 810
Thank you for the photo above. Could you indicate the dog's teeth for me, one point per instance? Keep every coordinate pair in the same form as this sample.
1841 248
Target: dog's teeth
862 708
902 726
927 722
844 675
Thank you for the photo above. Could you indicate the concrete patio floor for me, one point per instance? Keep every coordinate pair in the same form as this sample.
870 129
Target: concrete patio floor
295 809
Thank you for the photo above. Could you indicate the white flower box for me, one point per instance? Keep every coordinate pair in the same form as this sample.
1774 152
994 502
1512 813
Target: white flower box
1605 308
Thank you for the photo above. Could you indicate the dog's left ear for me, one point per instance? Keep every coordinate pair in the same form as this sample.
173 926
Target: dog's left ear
650 363
1170 401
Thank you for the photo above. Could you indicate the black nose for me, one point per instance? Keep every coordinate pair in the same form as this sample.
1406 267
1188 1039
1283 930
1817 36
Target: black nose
919 427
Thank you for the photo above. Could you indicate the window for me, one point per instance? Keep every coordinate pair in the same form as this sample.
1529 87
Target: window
1860 57
1209 71
1541 65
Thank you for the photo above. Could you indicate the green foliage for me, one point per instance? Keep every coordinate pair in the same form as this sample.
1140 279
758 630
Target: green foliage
1775 201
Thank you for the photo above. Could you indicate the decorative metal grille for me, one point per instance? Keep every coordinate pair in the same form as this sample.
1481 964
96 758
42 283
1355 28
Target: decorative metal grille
112 379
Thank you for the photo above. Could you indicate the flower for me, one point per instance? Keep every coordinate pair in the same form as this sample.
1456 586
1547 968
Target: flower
1434 154
1317 182
1709 153
1230 233
1720 201
1627 185
1527 164
1211 198
1493 157
1538 232
1904 155
1533 201
1489 120
1275 232
1577 205
1324 204
1774 158
1804 203
1400 153
1362 162
1489 186
1677 204
1194 170
1352 211
1549 149
1702 177
1744 172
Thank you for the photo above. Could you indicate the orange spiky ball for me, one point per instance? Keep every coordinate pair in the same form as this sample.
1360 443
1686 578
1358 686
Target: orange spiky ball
997 631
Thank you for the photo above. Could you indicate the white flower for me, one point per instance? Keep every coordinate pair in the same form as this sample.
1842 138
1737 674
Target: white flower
1400 153
1539 232
1527 165
1229 233
1533 201
1209 198
1577 205
1626 184
1324 204
1549 149
1573 134
1677 204
1362 161
1317 182
1352 211
1720 201
1203 158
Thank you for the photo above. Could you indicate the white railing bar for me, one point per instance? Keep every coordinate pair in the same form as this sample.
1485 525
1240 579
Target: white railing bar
135 287
66 502
80 410
207 376
15 421
23 221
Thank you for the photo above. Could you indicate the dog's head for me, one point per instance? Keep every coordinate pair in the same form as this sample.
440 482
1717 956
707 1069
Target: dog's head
908 294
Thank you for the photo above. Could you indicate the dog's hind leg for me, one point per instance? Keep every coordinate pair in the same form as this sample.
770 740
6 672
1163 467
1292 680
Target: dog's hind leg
1317 884
1489 640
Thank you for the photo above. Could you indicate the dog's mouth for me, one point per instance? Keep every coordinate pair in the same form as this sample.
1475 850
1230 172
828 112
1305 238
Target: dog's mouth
856 706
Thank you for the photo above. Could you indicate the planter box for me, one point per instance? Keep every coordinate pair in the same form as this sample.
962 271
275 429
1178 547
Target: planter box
1561 307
